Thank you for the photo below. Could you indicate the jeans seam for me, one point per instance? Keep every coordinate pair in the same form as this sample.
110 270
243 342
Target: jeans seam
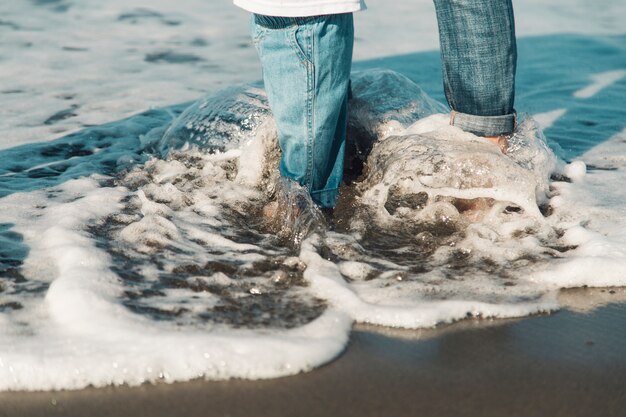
448 88
295 45
258 35
311 112
484 125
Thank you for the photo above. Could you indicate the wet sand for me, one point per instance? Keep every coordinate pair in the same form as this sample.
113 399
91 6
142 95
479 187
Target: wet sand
570 363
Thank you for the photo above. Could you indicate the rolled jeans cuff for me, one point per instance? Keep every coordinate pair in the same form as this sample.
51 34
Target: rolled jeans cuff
484 125
325 198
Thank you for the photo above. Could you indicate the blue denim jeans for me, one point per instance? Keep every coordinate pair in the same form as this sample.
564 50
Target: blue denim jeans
306 65
479 58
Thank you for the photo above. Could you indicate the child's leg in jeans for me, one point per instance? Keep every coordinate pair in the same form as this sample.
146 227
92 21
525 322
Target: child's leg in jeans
479 56
306 70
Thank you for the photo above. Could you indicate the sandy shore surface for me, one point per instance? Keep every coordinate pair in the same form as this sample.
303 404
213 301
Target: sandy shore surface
571 363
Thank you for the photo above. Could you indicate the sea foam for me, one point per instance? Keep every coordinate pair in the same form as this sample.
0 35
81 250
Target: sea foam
162 269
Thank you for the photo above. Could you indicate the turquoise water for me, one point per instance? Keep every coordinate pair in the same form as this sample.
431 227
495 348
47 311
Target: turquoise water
135 265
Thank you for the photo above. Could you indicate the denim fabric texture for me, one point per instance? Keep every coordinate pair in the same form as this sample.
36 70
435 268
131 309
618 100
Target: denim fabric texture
479 59
306 65
306 68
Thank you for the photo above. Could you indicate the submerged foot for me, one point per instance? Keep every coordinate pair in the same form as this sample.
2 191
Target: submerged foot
292 215
270 210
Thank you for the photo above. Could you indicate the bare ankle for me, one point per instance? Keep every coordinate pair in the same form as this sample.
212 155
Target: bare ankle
502 141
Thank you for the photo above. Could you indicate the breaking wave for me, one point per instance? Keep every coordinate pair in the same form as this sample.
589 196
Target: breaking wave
137 251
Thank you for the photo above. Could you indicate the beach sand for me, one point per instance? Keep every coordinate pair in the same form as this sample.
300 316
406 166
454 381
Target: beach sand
570 363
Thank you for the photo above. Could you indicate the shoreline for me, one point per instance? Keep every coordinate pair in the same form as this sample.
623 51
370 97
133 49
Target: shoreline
570 363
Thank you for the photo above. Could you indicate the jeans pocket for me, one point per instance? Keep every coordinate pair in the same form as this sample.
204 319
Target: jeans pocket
301 41
258 33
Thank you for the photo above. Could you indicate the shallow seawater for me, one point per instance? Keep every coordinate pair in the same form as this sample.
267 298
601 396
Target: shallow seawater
136 251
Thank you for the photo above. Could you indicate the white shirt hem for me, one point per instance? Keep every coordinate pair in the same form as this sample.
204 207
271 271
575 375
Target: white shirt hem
296 10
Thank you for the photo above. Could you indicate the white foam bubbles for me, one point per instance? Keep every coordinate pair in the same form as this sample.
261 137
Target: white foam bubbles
80 334
576 170
166 273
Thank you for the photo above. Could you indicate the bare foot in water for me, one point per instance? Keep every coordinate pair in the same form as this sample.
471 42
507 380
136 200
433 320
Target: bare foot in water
270 210
292 215
502 141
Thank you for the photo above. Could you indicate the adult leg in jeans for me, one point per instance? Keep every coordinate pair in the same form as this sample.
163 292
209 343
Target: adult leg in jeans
306 70
479 57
